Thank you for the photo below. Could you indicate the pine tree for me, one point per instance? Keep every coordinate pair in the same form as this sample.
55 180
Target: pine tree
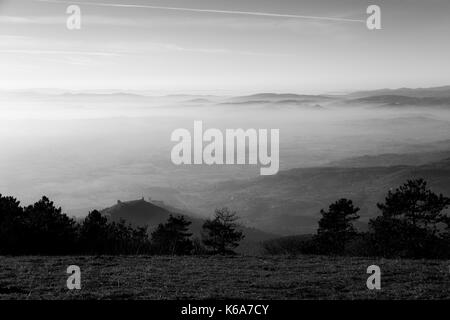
172 237
94 233
49 231
336 226
220 234
411 222
12 226
415 203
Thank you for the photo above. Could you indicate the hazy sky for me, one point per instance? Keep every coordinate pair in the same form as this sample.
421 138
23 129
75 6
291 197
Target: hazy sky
186 51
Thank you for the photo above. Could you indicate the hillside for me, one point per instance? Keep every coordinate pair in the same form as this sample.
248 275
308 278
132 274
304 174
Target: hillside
392 159
138 212
142 212
290 202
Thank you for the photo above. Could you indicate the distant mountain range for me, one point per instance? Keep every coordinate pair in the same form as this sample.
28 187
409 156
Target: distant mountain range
436 92
398 101
280 96
415 97
421 97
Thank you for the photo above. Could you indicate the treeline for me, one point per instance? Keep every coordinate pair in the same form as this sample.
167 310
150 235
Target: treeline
220 235
413 224
43 229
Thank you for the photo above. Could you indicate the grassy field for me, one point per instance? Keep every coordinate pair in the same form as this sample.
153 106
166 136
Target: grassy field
144 277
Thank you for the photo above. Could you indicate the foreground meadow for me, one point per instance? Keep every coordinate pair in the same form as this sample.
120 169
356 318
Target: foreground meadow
216 277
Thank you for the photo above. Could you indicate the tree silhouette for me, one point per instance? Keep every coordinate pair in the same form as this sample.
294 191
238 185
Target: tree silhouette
220 234
42 228
49 230
410 222
98 236
94 233
11 226
336 226
140 242
172 237
415 203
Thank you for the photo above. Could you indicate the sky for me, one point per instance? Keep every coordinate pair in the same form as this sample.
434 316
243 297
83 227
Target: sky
212 50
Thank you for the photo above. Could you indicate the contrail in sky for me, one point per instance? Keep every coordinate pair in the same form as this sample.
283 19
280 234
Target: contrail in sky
247 13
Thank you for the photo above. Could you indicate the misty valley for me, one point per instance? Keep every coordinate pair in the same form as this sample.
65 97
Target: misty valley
86 150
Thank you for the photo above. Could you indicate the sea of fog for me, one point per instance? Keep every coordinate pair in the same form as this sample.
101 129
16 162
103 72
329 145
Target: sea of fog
86 151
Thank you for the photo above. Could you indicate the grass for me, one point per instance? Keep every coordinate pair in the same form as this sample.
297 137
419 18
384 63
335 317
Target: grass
238 277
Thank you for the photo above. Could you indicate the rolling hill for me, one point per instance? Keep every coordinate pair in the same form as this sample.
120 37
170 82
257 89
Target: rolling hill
290 202
392 159
142 212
